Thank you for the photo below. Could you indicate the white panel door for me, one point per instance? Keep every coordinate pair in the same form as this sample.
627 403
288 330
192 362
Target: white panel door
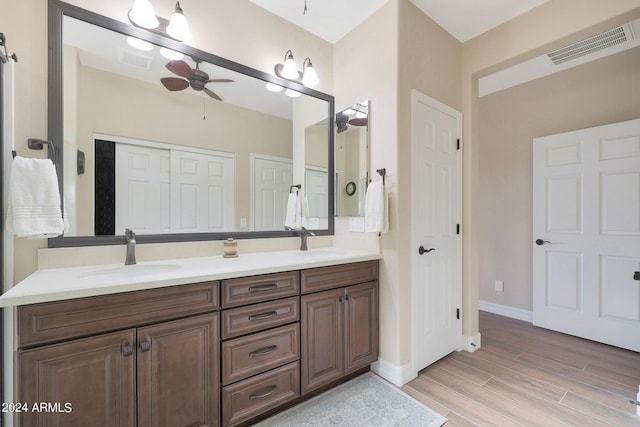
586 230
436 251
202 190
272 178
316 189
142 189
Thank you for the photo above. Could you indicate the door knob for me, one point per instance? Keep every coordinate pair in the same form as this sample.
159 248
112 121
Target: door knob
541 242
422 250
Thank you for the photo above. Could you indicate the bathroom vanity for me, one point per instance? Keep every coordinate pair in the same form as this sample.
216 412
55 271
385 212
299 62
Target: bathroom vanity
226 351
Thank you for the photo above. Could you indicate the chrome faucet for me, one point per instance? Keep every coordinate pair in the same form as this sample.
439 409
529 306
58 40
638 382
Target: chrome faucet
130 236
304 233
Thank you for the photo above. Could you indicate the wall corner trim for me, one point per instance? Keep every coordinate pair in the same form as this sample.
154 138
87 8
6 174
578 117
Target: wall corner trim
396 374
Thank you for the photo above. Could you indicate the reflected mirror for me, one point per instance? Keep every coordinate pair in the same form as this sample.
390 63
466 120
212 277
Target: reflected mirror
351 159
178 144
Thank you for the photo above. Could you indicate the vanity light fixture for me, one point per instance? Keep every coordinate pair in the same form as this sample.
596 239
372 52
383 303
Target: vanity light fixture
309 75
289 70
142 15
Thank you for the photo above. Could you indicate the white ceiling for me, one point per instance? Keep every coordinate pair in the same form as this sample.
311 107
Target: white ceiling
332 19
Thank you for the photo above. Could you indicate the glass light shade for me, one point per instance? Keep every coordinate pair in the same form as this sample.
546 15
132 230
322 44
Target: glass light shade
310 77
272 87
292 93
171 54
178 27
143 15
289 69
139 44
360 115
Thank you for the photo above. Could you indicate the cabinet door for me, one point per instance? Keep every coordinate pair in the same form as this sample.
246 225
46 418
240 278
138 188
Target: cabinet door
87 382
361 326
178 373
322 342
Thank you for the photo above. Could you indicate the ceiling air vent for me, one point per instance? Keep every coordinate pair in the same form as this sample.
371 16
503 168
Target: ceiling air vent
593 44
134 58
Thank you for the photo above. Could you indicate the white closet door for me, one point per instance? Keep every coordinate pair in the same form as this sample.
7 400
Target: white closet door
202 190
586 232
272 179
142 189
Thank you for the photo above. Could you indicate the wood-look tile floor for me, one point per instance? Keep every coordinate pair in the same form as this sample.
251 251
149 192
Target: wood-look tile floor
528 376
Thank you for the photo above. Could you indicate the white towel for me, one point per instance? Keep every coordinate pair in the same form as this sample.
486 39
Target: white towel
33 208
376 207
293 206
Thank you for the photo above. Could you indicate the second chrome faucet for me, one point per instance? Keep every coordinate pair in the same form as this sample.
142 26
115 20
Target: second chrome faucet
130 237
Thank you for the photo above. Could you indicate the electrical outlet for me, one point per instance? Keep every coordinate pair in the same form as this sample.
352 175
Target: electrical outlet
499 286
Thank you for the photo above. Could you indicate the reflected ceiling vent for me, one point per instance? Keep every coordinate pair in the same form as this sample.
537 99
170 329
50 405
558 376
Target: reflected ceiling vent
134 59
593 44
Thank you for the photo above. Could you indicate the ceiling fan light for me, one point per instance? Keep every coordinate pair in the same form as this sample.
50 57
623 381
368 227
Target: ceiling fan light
139 44
292 93
171 54
143 15
289 69
272 87
309 76
178 27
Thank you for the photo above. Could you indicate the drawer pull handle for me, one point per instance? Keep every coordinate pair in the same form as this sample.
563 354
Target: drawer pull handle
263 351
266 393
263 316
263 288
127 350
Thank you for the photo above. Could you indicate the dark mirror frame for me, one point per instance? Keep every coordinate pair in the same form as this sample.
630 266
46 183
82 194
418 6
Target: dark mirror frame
57 10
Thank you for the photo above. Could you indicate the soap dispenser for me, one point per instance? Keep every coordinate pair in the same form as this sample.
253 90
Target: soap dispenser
230 249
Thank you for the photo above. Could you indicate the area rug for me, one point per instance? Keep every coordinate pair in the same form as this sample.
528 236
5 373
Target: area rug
365 401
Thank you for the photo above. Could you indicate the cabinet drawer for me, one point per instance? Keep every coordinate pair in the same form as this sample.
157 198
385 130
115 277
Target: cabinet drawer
322 278
61 320
247 399
257 317
250 355
248 290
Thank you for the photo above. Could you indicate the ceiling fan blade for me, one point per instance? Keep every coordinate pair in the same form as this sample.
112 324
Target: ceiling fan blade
180 68
212 94
174 84
358 121
219 81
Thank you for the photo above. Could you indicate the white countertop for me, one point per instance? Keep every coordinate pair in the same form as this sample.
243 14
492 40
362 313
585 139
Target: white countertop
66 283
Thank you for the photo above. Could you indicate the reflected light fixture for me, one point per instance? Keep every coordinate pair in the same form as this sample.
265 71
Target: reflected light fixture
142 15
289 70
292 93
139 43
272 87
171 54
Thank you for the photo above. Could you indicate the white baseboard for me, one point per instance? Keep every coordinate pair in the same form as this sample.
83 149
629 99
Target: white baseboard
505 310
395 374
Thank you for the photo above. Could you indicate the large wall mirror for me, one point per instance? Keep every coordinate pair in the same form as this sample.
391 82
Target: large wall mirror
189 148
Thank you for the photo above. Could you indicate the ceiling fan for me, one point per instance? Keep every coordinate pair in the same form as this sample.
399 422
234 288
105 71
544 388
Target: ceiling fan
195 77
342 120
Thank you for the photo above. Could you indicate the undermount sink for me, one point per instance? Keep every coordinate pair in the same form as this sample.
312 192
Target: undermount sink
129 271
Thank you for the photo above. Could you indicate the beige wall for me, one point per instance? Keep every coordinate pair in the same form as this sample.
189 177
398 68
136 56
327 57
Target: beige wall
236 30
490 252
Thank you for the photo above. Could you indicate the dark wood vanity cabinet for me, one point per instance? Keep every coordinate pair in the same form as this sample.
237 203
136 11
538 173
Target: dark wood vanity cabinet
339 326
153 373
201 354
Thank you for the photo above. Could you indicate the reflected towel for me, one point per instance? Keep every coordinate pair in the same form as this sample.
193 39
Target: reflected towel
33 208
376 207
293 206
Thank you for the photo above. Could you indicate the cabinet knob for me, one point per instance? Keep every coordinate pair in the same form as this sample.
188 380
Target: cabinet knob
145 346
127 350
